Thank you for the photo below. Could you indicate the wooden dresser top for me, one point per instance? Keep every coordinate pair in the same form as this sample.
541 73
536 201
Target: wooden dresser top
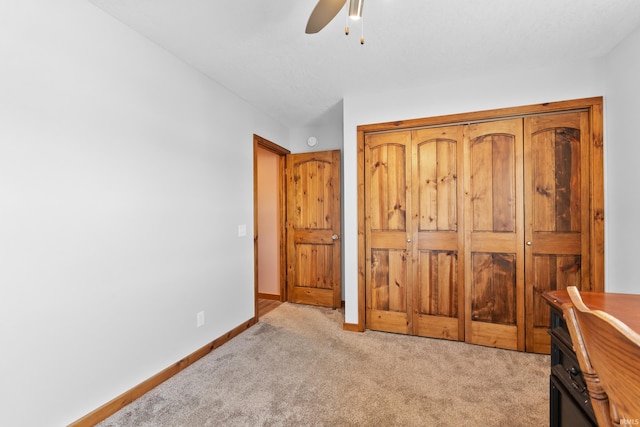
625 307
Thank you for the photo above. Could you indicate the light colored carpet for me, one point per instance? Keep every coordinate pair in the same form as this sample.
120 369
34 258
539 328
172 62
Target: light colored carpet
297 367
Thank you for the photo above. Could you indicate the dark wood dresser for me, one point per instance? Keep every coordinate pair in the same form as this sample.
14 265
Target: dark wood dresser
569 399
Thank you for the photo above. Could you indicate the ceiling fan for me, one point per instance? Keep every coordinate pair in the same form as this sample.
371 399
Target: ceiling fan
326 10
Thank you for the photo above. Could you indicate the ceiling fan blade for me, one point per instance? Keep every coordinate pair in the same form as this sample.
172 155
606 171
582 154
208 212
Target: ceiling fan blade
322 14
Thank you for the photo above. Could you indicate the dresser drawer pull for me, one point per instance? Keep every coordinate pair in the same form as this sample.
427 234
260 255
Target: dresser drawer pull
581 389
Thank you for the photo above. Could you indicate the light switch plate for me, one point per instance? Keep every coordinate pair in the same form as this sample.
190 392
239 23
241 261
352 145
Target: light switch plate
200 318
242 230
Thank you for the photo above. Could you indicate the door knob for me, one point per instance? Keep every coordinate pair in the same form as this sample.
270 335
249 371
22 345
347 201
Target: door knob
335 237
408 240
529 243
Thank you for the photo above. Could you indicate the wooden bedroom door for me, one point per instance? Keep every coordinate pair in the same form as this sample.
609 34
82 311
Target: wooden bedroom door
313 228
494 249
557 209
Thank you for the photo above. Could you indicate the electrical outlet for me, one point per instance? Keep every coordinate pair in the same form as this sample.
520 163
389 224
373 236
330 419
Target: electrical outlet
200 319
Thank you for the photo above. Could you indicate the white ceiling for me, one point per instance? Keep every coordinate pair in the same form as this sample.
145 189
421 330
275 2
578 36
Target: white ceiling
258 48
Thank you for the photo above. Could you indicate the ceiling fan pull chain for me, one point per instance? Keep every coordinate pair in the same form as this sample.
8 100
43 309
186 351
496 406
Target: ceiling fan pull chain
346 24
361 30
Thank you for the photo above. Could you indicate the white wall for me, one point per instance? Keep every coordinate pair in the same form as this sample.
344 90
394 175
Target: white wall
622 144
124 175
509 89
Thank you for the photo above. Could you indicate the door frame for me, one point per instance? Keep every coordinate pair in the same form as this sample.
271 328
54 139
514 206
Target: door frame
259 142
596 221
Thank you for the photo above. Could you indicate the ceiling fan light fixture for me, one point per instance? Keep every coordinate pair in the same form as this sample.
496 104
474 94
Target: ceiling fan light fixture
355 9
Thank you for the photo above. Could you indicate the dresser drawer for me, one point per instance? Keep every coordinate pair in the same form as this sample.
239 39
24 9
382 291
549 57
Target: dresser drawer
570 404
565 411
559 328
565 368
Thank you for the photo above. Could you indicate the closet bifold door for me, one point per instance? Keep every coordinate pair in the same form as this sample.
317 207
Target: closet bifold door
438 258
494 234
557 232
389 239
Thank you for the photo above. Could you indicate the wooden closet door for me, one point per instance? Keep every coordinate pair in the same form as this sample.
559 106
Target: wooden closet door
494 250
388 234
438 258
557 214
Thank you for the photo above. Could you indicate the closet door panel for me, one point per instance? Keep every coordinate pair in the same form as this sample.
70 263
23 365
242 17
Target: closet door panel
438 270
438 283
388 249
493 205
494 285
557 212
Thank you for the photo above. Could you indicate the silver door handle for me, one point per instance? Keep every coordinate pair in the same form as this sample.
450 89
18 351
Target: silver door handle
335 237
529 243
